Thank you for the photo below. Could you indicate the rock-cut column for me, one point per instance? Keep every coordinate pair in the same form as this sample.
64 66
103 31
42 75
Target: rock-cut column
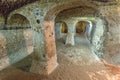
39 60
44 59
44 56
70 35
51 55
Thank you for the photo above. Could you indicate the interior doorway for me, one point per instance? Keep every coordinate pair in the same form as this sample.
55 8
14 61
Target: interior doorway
64 28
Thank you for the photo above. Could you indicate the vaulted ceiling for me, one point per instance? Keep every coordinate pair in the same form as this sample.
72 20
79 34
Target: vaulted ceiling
6 6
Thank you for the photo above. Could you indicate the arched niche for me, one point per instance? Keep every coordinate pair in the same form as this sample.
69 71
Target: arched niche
18 20
80 27
61 29
22 25
19 39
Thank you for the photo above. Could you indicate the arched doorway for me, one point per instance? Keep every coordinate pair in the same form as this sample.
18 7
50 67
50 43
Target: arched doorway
61 30
19 41
83 30
80 27
64 28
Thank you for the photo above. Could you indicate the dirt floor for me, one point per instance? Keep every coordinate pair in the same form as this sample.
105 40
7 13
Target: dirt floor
75 63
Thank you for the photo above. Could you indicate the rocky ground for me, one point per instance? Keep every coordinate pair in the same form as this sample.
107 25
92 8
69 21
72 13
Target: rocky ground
75 63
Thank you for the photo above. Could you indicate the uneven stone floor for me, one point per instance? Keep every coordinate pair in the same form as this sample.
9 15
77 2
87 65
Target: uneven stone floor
81 52
75 63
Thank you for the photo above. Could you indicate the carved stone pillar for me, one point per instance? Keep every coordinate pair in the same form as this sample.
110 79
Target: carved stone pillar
44 56
71 33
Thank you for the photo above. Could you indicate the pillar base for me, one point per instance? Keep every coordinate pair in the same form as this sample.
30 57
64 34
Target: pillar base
44 67
51 64
70 39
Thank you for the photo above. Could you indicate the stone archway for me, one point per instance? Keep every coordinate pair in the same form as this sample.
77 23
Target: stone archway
61 29
52 13
49 33
80 27
84 28
97 34
19 28
18 20
17 37
49 21
44 59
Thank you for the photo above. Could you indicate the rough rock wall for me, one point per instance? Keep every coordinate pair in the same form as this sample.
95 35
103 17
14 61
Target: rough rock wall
68 15
98 37
14 38
86 14
110 14
112 43
28 11
2 38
